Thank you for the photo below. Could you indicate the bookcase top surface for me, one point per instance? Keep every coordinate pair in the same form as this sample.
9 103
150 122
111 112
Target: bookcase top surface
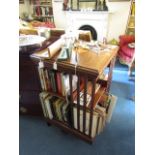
93 60
83 58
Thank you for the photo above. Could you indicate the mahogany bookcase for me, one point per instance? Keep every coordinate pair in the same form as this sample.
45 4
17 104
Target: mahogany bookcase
87 67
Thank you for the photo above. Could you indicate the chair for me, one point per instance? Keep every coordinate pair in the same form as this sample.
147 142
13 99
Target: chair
127 50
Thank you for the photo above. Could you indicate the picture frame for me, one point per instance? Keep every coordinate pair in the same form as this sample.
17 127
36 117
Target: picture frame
119 0
21 1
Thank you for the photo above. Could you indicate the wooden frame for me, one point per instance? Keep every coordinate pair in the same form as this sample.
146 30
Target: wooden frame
21 1
119 0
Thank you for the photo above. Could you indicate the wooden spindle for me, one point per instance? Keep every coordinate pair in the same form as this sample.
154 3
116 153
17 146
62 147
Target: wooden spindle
85 102
78 103
91 107
112 64
71 99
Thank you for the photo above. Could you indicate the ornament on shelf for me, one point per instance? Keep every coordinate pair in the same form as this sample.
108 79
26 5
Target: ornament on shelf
105 7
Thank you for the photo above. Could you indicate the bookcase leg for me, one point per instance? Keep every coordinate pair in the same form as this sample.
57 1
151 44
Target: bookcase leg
64 132
48 124
112 64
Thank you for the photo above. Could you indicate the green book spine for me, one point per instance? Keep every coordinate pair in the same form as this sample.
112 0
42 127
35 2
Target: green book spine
52 79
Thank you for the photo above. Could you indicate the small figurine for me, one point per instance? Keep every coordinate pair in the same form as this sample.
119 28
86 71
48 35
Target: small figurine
99 5
105 7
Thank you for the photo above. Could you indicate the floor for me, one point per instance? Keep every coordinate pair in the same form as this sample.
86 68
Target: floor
118 138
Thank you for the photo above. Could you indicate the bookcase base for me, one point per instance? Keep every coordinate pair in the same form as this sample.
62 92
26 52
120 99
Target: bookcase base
71 130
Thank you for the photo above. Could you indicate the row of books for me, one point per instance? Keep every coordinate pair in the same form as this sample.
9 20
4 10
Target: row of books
101 115
55 81
98 120
54 107
43 10
88 94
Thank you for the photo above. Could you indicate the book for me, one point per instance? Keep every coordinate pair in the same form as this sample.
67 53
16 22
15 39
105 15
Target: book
55 106
108 101
102 117
94 123
63 84
47 81
59 83
42 97
52 100
41 78
111 107
52 80
88 95
65 112
59 106
48 107
44 78
88 99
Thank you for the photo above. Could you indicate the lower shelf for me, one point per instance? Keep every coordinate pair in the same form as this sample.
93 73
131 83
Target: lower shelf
69 129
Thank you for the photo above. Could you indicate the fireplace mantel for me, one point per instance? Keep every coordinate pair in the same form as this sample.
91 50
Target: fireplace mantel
96 19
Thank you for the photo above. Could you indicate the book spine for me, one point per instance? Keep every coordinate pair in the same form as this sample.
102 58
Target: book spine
43 96
47 103
111 108
42 104
51 100
47 80
44 79
62 84
59 85
52 80
41 78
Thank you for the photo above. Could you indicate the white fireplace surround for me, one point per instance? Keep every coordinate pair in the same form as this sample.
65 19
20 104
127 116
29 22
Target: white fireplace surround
97 19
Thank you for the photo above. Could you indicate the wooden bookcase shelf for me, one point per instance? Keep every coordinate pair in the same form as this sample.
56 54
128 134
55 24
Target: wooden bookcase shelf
43 10
78 111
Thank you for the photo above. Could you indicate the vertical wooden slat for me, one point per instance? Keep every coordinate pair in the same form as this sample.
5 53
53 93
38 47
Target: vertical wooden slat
91 107
112 64
85 101
71 99
78 103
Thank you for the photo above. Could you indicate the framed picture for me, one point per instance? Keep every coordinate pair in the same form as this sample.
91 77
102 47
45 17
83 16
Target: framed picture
21 1
58 0
118 0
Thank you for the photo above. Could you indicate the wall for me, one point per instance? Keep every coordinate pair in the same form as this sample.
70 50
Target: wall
24 8
117 18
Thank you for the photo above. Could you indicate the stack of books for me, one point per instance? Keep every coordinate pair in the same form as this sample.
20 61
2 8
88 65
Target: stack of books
101 115
55 81
99 118
54 107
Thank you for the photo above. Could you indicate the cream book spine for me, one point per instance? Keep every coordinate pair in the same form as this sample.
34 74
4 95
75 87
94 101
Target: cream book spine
111 108
48 107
